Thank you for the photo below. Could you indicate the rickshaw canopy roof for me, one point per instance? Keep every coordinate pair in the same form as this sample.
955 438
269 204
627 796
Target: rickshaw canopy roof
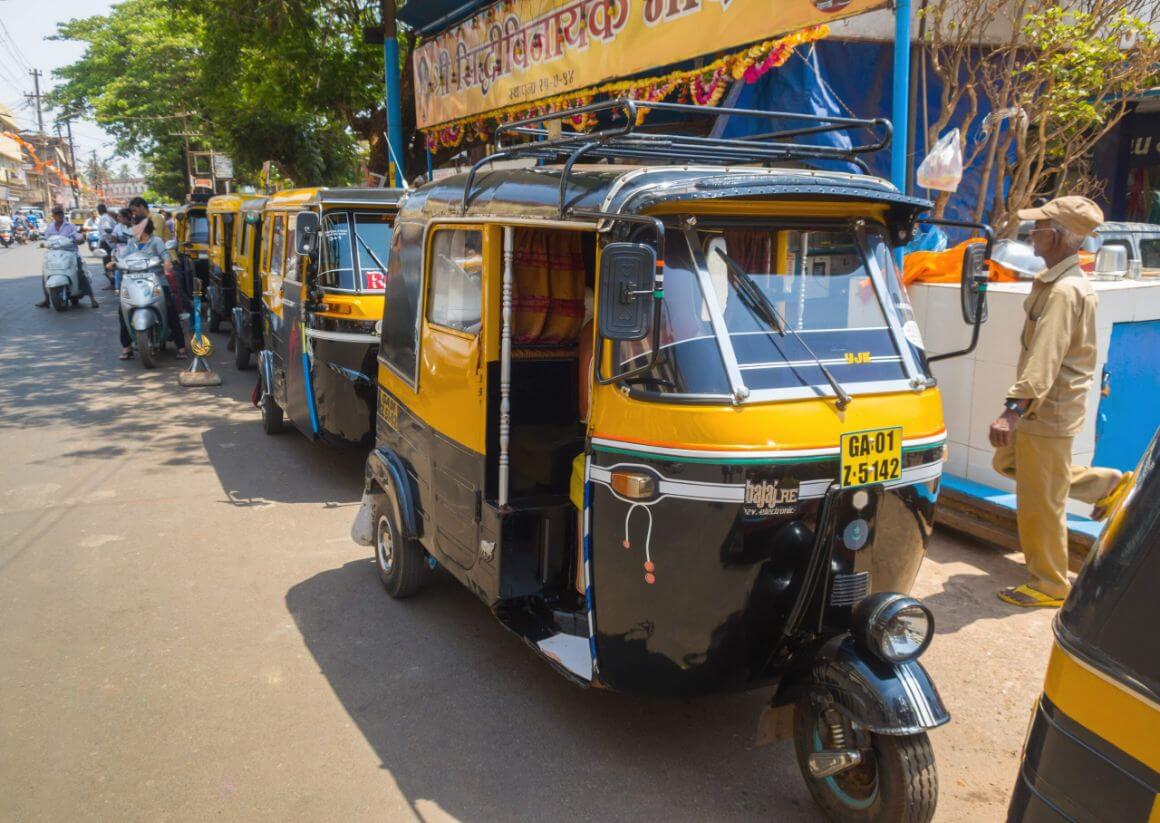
536 192
224 203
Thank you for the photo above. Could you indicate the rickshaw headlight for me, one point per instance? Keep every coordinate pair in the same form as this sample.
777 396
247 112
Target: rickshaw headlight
893 626
634 485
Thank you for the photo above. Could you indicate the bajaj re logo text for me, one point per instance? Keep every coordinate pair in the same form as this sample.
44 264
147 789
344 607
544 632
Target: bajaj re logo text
766 498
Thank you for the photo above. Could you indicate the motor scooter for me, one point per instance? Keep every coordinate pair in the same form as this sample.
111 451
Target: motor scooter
93 238
59 273
143 307
20 235
6 238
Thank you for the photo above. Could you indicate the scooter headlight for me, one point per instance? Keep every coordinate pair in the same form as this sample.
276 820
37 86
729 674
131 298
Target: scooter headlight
893 626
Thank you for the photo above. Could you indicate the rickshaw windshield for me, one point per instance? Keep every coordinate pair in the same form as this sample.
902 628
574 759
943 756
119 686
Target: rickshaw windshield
198 228
347 237
829 284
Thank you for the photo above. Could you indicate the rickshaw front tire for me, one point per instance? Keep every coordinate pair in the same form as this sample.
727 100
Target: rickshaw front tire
241 354
271 415
907 780
405 572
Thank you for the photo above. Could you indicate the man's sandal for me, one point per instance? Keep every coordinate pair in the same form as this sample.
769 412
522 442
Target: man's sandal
1109 501
1028 598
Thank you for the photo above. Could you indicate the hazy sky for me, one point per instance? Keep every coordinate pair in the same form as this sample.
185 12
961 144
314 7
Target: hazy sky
24 45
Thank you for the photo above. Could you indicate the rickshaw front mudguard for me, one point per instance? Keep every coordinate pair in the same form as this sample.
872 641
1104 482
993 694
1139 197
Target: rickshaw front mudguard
247 326
387 484
884 698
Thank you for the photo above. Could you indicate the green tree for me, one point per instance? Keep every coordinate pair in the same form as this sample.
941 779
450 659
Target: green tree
284 80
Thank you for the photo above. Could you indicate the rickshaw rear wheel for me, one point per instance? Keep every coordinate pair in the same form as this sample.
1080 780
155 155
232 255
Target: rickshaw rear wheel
896 780
401 562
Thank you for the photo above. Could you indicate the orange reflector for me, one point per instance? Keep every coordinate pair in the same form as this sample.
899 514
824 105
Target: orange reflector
634 485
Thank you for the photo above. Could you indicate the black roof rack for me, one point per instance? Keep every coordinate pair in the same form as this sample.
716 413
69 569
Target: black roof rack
537 137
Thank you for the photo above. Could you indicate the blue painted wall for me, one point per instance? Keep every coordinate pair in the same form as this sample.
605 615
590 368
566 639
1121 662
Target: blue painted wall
1130 414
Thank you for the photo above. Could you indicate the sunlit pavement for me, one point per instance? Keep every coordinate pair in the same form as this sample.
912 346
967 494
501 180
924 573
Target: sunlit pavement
187 631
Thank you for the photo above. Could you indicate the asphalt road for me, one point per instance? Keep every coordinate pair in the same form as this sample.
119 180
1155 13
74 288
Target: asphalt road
187 632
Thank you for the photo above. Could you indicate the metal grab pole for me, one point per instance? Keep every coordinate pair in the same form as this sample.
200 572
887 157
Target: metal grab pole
505 364
901 94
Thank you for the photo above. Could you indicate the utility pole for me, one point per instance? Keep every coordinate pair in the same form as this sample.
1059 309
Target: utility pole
394 99
36 75
185 134
35 96
72 153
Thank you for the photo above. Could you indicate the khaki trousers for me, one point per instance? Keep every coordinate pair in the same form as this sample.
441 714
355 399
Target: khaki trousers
1044 479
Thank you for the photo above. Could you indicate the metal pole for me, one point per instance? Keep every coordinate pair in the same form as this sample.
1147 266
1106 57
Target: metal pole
72 154
394 101
901 94
505 363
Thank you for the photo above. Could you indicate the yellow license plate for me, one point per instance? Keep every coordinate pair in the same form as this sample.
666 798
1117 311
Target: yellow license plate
873 456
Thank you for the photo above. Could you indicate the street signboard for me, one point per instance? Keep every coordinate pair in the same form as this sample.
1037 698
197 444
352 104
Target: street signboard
223 167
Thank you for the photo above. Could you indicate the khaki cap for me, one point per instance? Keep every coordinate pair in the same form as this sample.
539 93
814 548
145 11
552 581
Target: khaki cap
1076 214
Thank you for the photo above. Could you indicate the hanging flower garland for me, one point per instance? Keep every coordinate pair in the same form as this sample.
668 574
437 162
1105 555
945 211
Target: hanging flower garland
704 86
42 166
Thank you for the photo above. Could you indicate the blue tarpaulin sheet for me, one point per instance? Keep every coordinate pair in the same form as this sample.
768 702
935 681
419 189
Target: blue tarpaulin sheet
847 79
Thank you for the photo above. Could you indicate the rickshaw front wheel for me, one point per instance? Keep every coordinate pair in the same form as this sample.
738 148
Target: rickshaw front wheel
895 779
401 562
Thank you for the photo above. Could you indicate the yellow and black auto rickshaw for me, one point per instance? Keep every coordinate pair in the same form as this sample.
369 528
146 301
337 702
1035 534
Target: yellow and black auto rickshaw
191 231
727 478
245 256
323 262
221 212
1093 748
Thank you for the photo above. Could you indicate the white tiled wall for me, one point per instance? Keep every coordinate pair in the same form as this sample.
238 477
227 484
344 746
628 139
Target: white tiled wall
973 386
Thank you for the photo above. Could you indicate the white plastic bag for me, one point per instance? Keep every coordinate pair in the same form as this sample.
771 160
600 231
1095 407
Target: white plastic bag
942 169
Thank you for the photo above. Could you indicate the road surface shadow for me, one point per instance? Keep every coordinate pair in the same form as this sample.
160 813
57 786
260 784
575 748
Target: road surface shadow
966 598
256 469
463 715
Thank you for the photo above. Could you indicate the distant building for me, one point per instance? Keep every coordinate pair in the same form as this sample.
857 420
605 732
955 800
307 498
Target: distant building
120 190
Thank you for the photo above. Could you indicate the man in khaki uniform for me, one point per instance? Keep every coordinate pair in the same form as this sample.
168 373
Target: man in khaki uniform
1045 407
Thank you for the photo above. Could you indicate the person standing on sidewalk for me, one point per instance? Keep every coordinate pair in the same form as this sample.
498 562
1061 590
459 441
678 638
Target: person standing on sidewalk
1045 407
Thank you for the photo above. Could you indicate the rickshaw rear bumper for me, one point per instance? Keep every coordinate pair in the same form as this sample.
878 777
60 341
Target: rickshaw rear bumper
884 698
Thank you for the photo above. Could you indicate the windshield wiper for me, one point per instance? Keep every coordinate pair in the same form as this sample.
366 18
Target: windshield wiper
756 299
374 256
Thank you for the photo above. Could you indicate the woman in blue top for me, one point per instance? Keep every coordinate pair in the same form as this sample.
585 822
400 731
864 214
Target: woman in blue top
144 241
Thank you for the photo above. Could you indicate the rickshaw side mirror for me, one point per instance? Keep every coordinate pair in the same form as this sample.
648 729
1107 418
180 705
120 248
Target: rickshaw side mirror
973 286
627 271
306 233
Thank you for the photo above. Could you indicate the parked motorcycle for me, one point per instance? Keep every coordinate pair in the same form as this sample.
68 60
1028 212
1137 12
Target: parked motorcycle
59 273
143 303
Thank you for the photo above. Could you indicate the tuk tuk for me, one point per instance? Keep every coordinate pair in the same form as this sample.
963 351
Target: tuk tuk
191 231
246 316
221 212
1093 747
78 217
668 413
322 303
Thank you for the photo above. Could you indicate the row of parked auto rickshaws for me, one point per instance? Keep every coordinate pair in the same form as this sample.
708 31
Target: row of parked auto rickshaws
659 400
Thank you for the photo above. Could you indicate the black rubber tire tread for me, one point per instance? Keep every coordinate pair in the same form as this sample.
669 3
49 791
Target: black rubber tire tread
272 418
145 349
241 355
907 777
214 321
57 299
410 572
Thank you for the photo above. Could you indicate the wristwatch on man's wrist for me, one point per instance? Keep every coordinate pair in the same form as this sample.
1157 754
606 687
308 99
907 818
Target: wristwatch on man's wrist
1015 405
